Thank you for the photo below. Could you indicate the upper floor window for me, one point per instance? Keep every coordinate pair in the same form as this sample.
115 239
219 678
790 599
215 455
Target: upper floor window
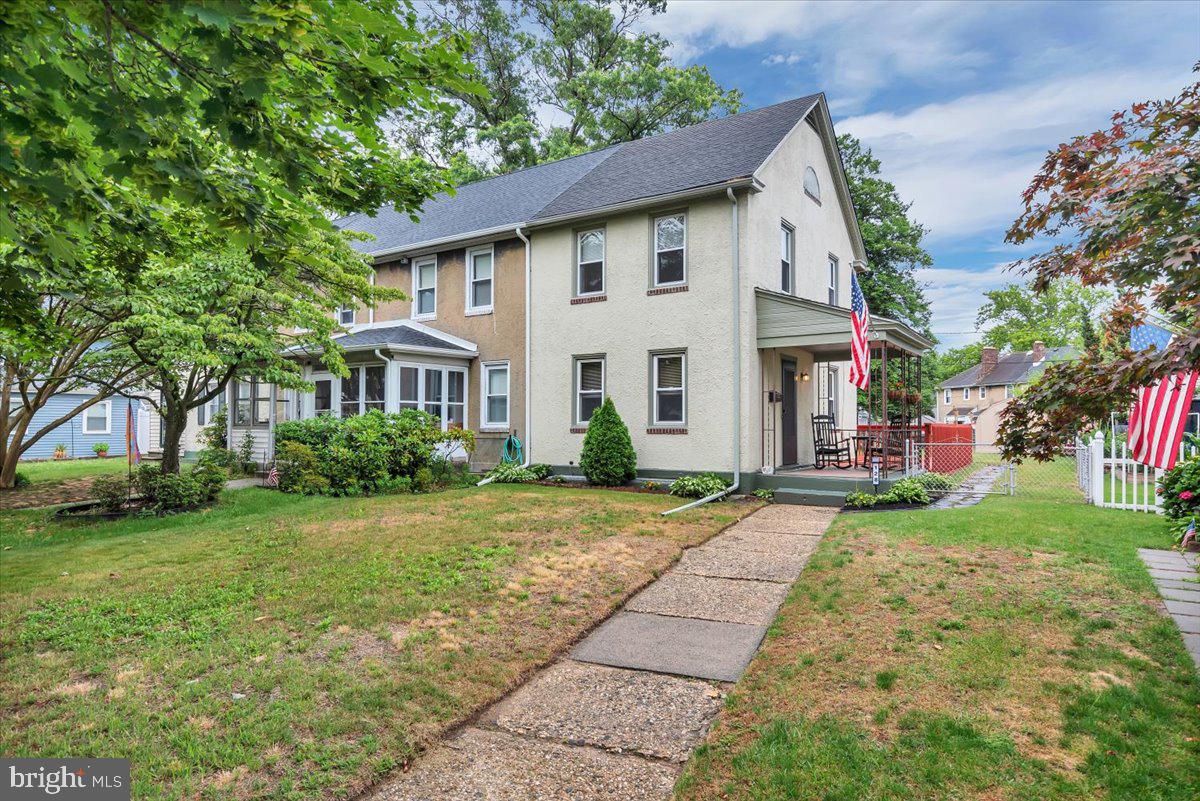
589 262
1008 390
787 256
479 280
966 393
670 250
946 399
833 281
812 187
495 395
589 387
346 315
669 389
425 288
982 393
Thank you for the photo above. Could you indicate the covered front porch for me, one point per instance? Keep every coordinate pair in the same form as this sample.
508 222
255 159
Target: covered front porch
818 431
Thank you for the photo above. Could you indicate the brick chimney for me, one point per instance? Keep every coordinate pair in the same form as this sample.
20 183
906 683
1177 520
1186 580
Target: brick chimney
1039 350
987 360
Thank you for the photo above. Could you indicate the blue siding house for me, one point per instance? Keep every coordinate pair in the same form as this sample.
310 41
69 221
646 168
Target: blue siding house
103 422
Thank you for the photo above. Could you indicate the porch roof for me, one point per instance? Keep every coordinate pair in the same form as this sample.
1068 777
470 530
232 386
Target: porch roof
400 336
786 321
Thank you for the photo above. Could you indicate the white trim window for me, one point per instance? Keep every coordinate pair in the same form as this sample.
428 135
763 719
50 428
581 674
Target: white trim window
424 288
983 393
261 398
966 393
947 399
669 382
787 258
480 284
670 250
323 396
812 186
589 388
441 391
242 402
346 315
833 280
410 387
589 262
364 389
1008 391
97 419
494 391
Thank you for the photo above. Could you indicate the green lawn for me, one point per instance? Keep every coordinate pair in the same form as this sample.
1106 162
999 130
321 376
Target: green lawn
1011 650
55 472
285 647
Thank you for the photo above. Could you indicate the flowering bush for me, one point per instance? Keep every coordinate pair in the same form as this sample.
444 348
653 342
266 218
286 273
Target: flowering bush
1179 489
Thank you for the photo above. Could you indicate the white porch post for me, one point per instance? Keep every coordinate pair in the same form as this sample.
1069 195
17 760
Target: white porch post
269 451
1096 454
391 387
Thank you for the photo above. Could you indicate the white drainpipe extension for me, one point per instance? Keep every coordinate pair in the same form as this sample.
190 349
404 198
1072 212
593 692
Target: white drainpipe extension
528 312
737 367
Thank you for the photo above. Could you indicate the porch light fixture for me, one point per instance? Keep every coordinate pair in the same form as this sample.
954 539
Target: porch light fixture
803 377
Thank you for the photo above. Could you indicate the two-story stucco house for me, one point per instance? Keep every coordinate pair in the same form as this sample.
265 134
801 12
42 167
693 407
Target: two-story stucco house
700 278
979 394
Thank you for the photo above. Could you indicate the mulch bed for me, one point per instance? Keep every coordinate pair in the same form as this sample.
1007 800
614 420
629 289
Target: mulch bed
67 491
885 507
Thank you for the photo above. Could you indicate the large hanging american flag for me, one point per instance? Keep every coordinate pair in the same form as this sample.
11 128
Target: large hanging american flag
860 351
1160 411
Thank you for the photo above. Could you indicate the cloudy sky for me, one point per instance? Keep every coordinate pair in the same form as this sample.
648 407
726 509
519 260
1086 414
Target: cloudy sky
959 100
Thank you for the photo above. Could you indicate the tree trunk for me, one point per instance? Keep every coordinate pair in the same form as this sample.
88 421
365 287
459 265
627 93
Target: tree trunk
12 453
174 422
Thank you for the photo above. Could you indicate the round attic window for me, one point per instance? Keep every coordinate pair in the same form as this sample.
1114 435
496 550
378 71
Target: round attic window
812 187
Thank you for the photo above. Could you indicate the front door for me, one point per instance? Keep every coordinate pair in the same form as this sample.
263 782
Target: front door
788 412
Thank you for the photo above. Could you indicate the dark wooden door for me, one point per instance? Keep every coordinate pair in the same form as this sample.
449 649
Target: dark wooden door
788 411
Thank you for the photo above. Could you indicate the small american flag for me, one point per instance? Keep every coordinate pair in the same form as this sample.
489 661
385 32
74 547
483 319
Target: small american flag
860 351
1189 536
272 477
1160 412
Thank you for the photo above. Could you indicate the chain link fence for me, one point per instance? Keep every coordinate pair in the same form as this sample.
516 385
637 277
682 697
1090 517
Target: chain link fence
979 469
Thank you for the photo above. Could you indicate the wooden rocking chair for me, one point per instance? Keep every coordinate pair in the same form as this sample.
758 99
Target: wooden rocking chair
828 449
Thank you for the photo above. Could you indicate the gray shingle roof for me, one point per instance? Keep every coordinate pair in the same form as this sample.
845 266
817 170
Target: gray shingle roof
697 156
1011 368
399 334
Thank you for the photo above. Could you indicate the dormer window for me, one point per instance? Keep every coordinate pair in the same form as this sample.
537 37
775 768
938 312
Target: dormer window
812 187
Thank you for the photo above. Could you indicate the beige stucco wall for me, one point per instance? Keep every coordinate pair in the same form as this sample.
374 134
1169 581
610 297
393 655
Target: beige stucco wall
626 327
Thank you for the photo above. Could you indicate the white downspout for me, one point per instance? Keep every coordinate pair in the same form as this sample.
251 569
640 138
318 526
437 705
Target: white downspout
737 366
528 377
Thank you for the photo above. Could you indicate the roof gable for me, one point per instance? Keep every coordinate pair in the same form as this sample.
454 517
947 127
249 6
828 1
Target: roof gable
1016 367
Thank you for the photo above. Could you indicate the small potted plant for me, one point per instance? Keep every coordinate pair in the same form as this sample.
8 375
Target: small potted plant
60 451
100 449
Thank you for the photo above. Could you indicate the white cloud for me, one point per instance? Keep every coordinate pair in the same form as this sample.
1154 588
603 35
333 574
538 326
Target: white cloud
782 59
955 295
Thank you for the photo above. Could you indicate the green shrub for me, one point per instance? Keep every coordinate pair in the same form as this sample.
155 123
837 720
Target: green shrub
296 463
934 482
111 492
764 494
145 478
21 480
245 453
906 490
210 475
447 473
542 471
608 458
861 500
100 449
368 453
698 486
1179 489
512 473
213 435
176 492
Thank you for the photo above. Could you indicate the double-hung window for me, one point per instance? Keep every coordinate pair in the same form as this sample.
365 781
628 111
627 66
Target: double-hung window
97 419
670 250
833 281
495 395
479 280
787 257
982 393
966 393
241 403
589 387
589 262
425 289
669 376
346 315
946 398
1008 391
262 402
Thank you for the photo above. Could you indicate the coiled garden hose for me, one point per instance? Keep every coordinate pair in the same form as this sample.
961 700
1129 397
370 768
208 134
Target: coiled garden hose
511 453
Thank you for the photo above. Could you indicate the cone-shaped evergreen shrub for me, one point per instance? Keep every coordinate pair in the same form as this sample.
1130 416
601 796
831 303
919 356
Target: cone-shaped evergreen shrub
608 457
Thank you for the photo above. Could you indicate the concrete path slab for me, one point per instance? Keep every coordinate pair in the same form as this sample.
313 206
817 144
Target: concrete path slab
768 542
728 562
1173 594
659 716
1171 574
1192 643
1185 608
704 649
811 521
680 594
480 765
1188 624
1179 584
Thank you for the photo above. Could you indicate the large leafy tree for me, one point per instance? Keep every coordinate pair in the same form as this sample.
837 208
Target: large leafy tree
1015 316
1123 202
891 237
264 117
562 77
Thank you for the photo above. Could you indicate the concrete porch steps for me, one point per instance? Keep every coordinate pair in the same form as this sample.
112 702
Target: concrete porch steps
812 497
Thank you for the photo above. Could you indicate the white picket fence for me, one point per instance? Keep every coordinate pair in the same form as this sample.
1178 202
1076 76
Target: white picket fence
1114 480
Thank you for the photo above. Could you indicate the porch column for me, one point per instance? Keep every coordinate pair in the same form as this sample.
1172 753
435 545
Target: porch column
391 387
269 451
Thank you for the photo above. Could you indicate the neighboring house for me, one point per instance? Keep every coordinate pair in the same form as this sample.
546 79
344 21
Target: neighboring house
197 419
978 394
700 278
100 422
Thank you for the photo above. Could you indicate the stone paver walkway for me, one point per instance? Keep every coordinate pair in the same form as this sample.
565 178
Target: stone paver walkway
618 717
1176 577
972 490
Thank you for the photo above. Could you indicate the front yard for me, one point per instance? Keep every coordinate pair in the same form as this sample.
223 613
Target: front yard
279 646
59 481
1011 650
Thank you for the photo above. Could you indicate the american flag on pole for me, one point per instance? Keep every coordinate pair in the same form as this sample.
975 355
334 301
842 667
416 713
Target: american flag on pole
860 351
1189 536
272 477
1157 420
